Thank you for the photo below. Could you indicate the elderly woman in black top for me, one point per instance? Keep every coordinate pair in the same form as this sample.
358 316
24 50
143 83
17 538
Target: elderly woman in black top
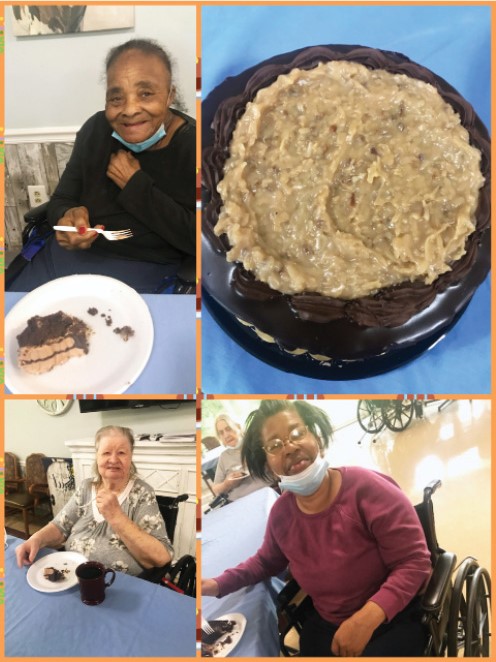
132 167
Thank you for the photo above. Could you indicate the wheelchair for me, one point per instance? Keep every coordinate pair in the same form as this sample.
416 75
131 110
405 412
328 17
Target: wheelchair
180 575
37 231
374 415
456 611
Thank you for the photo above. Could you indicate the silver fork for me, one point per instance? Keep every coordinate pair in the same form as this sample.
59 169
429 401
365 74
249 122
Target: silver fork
206 627
111 235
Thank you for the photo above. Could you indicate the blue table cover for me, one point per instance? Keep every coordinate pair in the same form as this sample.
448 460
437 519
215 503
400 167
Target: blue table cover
211 458
230 535
137 619
452 41
172 364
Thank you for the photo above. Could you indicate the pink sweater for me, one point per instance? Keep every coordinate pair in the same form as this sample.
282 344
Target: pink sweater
368 545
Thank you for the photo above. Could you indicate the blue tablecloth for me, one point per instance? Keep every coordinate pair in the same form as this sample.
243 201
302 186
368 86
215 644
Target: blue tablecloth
211 458
452 41
230 535
137 619
172 364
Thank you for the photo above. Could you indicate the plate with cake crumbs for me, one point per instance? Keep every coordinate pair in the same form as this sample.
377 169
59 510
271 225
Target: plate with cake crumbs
55 572
77 334
227 632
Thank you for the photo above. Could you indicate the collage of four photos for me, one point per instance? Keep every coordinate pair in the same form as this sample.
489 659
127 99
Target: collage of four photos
247 340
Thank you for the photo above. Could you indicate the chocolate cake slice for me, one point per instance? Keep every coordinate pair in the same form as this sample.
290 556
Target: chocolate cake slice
53 575
220 628
51 340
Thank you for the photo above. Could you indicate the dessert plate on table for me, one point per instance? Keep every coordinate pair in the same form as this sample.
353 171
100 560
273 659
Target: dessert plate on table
65 562
112 364
227 642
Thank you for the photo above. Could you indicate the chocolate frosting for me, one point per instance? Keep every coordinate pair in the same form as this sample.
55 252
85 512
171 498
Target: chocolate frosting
253 301
43 329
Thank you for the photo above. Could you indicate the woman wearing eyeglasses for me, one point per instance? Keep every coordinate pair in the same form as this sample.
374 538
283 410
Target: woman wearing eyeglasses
350 537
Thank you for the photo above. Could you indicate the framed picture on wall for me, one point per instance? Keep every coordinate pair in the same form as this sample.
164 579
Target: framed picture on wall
36 20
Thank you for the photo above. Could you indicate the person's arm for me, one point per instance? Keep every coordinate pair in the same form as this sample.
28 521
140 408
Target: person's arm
148 550
48 536
268 562
171 219
67 194
229 483
392 520
65 206
223 482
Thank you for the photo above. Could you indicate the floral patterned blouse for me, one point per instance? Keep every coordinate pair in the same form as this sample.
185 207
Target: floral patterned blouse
87 532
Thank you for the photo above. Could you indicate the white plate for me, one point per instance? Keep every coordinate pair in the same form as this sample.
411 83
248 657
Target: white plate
228 642
60 561
111 365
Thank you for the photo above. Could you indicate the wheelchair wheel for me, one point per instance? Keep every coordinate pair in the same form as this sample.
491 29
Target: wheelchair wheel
398 414
457 625
478 615
369 416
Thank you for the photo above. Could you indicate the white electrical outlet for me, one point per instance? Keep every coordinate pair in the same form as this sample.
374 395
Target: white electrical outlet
37 195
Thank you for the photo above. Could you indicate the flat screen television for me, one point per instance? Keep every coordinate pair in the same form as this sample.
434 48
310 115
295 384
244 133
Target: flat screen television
87 406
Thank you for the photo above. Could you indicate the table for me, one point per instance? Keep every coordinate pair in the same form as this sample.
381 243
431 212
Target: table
230 535
454 42
211 457
137 619
172 364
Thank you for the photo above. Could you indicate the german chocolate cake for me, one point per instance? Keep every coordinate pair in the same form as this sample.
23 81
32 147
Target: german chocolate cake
346 203
51 340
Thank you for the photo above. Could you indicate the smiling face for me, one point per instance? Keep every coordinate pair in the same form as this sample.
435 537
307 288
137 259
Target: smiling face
293 458
114 458
228 432
138 95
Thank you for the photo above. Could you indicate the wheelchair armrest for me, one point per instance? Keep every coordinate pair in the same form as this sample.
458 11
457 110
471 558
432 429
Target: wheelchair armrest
155 574
439 582
287 594
186 276
37 214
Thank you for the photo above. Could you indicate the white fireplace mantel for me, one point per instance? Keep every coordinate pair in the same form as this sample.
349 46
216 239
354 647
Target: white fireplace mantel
167 464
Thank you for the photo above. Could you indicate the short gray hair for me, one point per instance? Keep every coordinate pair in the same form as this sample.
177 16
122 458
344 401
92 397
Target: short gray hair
109 430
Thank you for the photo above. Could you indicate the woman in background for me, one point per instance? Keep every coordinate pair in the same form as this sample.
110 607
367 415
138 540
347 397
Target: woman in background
231 476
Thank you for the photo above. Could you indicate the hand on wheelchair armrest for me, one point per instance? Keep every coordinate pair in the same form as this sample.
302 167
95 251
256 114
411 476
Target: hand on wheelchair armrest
439 582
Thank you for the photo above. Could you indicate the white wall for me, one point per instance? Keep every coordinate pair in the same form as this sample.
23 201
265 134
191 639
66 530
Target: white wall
29 430
57 80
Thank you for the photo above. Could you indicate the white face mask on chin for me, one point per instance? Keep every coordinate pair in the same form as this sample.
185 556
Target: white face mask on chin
307 481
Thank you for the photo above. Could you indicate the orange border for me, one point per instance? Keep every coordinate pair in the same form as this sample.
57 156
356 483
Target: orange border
199 396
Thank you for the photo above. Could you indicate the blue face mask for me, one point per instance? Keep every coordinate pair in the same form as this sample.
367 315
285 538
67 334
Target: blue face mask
309 480
146 144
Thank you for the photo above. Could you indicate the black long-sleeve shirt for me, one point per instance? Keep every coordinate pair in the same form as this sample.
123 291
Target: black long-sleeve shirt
158 203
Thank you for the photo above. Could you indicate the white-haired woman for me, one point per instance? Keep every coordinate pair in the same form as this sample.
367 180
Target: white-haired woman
231 477
112 518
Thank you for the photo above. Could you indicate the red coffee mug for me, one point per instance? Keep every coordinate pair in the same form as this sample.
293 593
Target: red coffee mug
91 576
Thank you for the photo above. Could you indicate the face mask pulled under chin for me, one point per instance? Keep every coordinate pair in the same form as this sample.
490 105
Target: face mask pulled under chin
145 144
309 480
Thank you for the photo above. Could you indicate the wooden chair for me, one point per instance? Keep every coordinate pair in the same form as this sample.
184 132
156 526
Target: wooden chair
36 488
210 442
13 478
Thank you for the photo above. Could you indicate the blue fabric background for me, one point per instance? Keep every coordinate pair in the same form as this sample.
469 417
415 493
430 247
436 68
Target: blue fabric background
452 41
